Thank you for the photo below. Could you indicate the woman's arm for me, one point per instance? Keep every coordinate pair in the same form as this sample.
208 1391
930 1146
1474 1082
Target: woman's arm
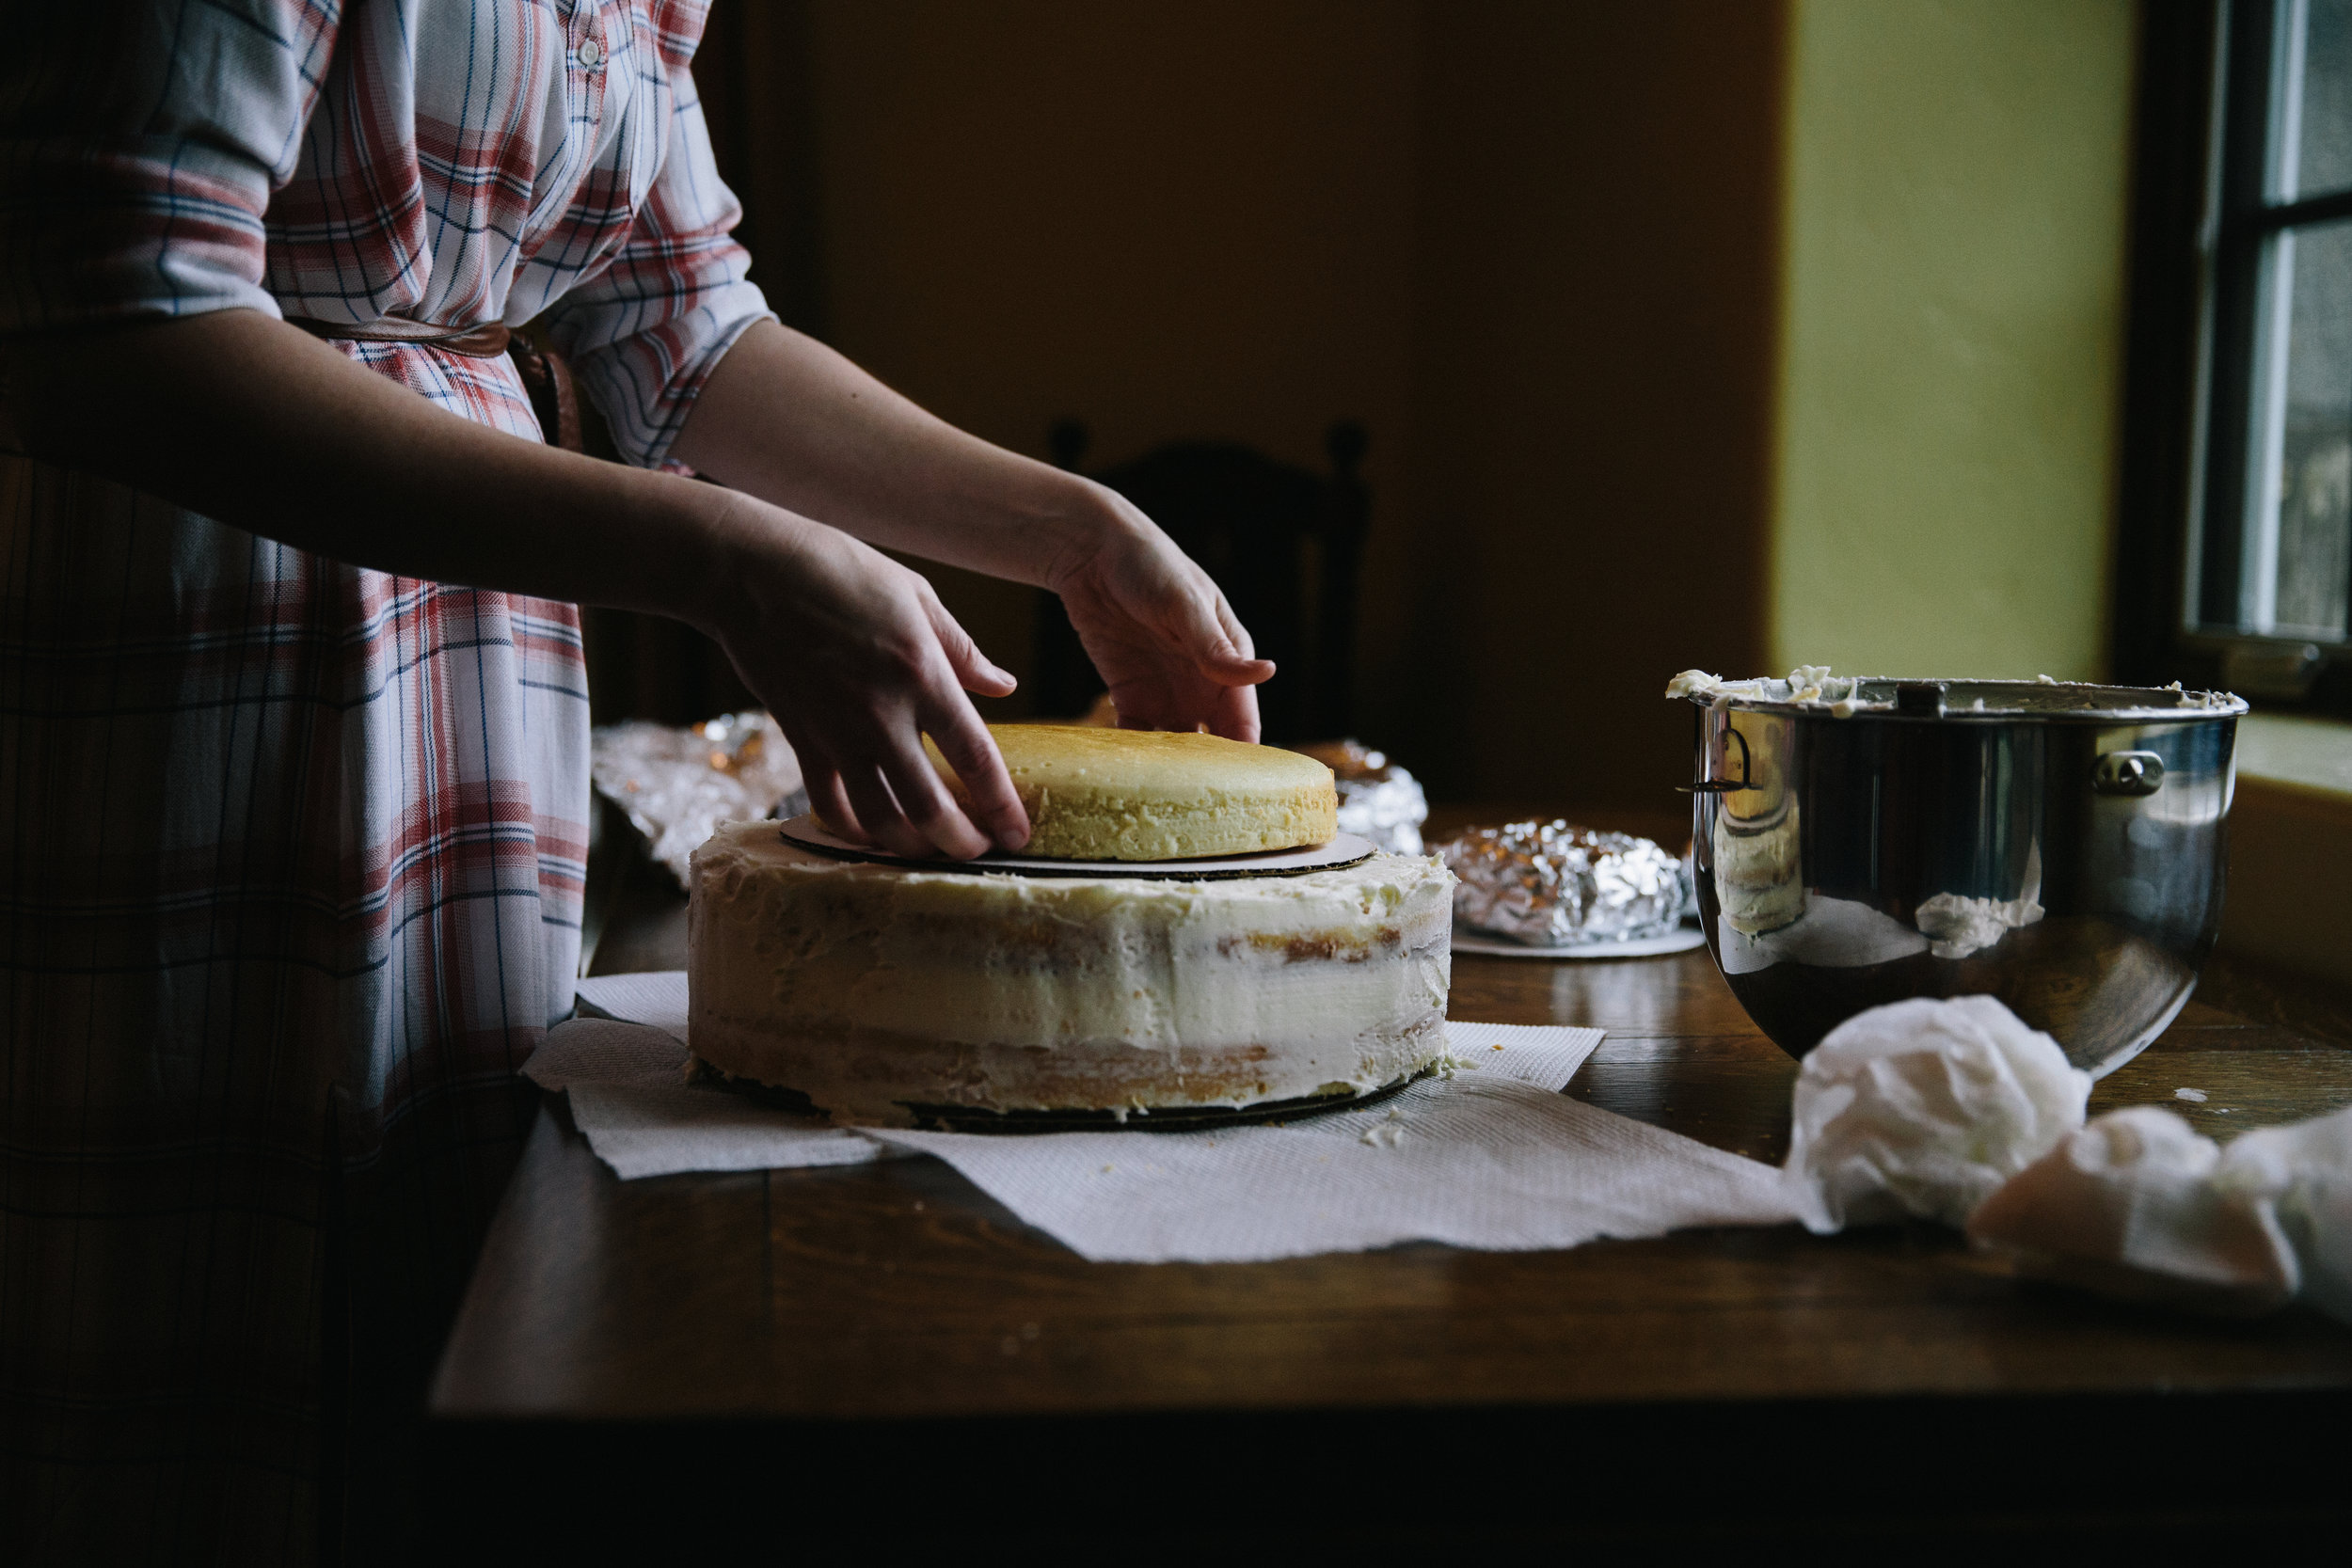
793 422
788 419
255 423
261 425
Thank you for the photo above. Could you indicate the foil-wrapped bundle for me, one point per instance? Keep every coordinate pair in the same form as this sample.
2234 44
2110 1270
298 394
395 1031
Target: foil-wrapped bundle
677 782
1378 800
1550 884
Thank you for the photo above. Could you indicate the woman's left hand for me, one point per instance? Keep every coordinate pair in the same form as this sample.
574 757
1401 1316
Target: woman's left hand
1158 628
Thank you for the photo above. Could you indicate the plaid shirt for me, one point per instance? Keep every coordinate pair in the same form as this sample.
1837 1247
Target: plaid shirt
292 851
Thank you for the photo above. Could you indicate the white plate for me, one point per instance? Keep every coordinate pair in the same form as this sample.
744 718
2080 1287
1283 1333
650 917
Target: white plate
1681 940
1345 849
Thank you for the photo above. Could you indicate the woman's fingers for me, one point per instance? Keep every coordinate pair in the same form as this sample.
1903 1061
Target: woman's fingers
974 670
930 809
1220 645
1237 636
1205 631
903 805
880 661
994 805
831 802
879 814
1236 715
896 797
1228 623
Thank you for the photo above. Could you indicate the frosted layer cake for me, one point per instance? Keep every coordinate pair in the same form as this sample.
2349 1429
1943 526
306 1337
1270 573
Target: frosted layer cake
875 989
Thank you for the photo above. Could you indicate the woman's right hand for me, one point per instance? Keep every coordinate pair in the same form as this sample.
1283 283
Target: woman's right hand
858 660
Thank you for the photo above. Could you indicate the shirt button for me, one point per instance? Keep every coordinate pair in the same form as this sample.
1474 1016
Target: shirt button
591 54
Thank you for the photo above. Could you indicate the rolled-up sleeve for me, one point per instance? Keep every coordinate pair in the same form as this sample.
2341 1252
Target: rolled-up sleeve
139 144
643 334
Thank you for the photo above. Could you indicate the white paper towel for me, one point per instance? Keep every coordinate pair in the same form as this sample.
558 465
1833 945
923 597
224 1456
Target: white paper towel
631 1100
658 999
1484 1160
1491 1157
640 1130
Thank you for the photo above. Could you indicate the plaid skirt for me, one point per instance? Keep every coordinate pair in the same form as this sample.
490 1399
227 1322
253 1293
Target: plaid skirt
291 863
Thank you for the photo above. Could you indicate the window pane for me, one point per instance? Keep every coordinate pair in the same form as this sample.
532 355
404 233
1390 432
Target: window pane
2314 472
2323 161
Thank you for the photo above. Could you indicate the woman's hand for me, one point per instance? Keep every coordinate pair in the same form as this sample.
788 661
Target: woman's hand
857 659
1157 629
786 418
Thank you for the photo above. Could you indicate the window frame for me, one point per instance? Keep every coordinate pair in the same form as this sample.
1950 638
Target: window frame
2201 218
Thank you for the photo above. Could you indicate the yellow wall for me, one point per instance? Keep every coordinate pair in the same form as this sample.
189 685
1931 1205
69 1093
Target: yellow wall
1951 335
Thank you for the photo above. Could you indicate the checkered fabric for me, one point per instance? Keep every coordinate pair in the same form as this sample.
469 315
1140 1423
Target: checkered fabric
292 851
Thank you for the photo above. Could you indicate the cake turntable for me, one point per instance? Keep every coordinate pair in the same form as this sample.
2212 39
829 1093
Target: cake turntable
1341 849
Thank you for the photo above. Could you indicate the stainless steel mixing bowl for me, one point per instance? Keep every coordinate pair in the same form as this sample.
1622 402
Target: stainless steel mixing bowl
2060 846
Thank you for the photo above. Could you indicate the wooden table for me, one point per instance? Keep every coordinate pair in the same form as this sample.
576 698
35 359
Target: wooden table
885 1347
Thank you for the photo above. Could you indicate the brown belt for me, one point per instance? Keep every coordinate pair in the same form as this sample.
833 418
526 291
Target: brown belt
546 379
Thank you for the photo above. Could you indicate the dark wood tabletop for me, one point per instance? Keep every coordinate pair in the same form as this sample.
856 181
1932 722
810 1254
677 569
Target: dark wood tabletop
887 1336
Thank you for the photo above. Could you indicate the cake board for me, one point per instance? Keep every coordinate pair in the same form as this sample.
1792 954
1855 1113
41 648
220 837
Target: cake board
1179 1119
1342 850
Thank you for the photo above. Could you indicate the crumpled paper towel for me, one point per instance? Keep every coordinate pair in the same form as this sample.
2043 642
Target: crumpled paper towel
1955 1111
1491 1157
2128 1206
2139 1206
2303 1171
1924 1108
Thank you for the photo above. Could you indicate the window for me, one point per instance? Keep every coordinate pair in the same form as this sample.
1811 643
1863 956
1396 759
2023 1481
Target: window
2250 295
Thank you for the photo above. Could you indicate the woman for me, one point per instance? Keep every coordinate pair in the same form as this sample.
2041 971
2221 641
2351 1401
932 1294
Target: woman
291 824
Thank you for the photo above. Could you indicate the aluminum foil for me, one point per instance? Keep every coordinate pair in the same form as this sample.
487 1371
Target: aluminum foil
1378 800
678 783
1550 884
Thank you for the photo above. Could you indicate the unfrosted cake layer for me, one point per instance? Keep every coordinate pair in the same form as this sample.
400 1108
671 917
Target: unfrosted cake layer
870 988
1148 794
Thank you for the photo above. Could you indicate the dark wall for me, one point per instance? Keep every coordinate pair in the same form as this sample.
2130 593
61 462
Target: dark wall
1595 296
1533 244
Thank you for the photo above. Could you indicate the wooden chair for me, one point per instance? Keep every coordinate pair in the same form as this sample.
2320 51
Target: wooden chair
1284 543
